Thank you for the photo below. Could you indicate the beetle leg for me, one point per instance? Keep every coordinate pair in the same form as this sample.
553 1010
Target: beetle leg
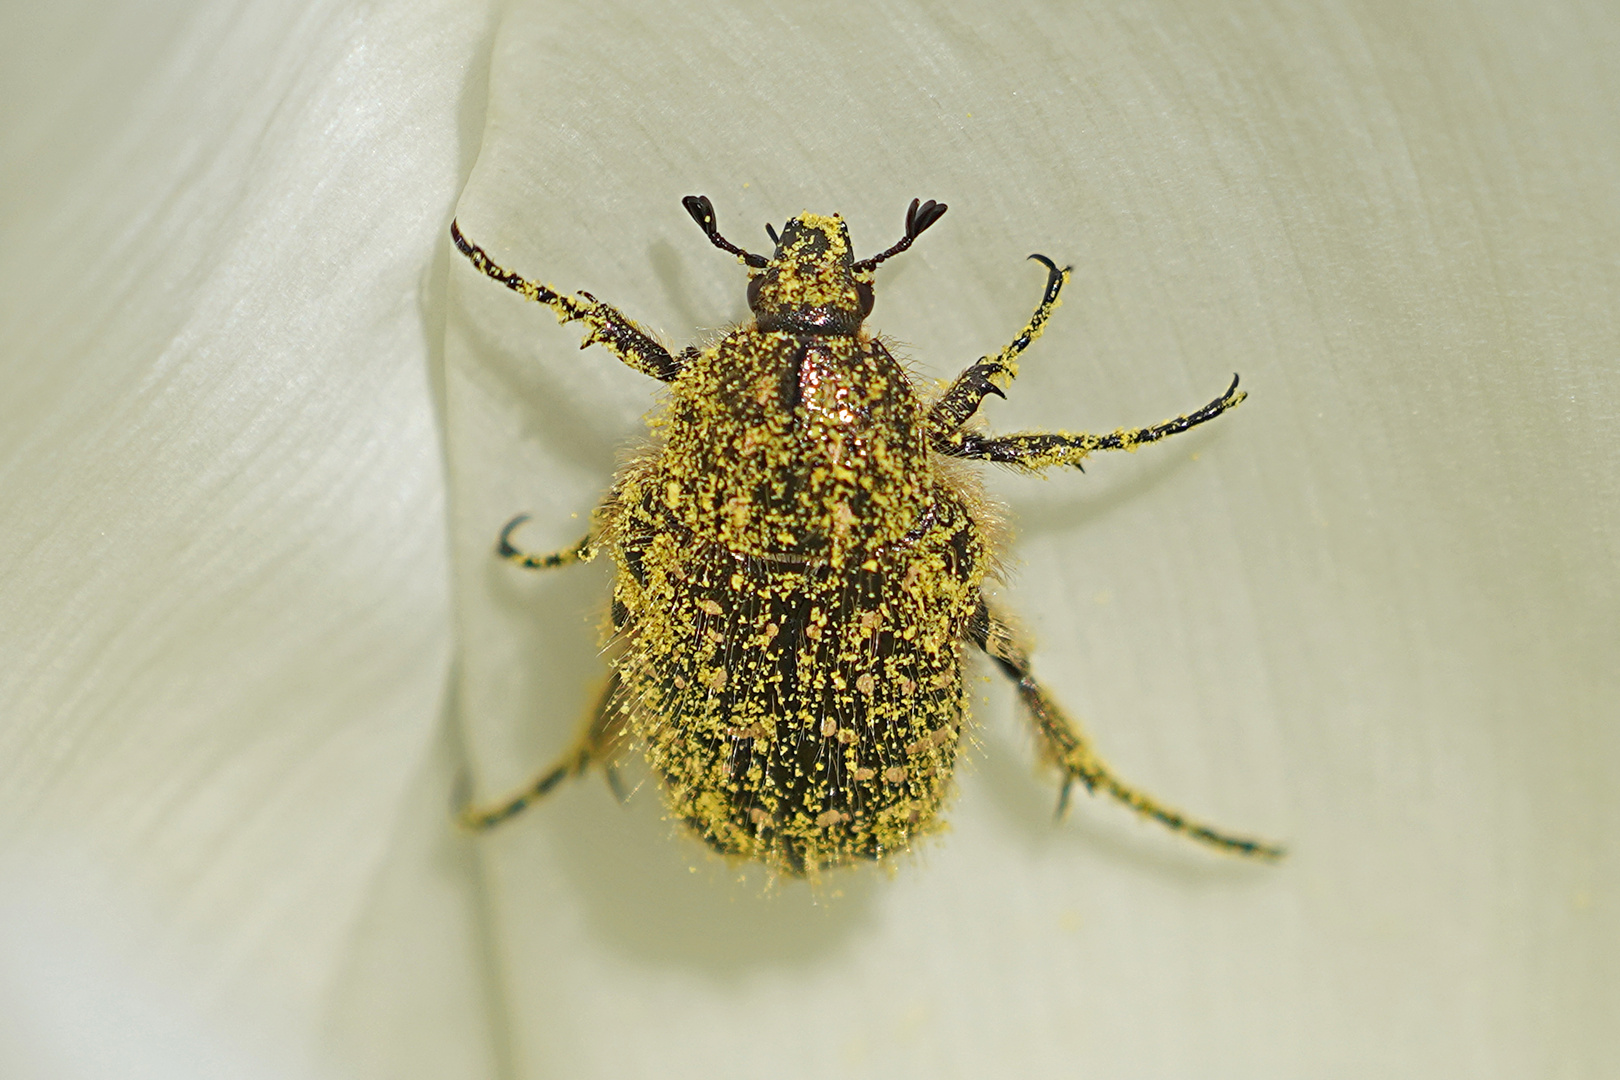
1034 450
1066 744
604 324
599 744
992 376
580 552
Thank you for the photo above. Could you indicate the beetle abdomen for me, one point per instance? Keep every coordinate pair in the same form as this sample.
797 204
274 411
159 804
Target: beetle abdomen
799 713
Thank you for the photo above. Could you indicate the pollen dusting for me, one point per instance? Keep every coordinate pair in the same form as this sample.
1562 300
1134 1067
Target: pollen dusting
799 566
813 268
815 525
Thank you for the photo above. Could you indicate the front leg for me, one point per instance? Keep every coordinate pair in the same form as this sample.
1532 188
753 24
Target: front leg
604 324
1033 450
1067 746
989 376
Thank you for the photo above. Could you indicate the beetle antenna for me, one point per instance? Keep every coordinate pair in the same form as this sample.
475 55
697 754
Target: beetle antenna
702 211
770 232
918 218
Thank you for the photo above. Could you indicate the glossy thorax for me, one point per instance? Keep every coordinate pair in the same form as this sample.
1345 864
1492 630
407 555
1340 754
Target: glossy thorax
800 436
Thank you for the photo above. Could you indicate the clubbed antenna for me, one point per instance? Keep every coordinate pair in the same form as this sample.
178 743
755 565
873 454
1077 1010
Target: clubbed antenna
918 218
702 211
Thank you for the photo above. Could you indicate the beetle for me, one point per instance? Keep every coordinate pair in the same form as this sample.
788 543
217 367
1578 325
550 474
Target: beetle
800 569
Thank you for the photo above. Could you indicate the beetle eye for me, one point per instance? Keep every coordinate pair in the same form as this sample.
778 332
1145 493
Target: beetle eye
863 293
753 291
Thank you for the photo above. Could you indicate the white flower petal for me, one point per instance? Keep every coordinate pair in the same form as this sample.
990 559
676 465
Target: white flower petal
1372 612
222 545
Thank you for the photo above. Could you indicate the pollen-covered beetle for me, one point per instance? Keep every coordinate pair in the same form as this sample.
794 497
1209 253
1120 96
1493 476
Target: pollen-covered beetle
799 574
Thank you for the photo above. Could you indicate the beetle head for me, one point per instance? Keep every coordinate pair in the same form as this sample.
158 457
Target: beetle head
811 285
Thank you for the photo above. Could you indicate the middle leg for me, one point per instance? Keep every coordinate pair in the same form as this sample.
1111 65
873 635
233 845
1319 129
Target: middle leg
598 744
584 551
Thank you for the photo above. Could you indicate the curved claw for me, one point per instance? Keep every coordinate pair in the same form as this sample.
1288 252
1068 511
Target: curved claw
616 784
505 548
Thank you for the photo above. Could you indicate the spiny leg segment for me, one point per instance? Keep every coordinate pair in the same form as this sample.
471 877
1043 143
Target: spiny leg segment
1036 450
1071 750
604 324
992 376
599 744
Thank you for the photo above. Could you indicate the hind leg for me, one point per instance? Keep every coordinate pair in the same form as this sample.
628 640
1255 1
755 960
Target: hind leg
1067 746
598 744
